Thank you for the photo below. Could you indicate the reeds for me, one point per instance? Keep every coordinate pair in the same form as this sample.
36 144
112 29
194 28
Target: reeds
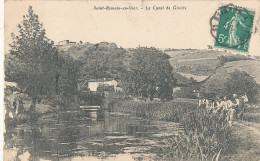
206 136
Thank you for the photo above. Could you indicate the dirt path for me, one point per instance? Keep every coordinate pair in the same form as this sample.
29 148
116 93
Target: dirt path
253 127
248 141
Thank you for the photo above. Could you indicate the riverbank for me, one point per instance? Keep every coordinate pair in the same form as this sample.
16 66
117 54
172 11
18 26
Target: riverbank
211 132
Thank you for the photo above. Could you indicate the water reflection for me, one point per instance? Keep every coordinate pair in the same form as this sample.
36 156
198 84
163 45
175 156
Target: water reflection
68 136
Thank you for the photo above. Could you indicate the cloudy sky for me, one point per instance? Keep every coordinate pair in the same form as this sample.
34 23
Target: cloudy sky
78 20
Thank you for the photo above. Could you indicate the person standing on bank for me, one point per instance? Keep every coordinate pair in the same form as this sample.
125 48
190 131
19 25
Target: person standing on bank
236 104
243 101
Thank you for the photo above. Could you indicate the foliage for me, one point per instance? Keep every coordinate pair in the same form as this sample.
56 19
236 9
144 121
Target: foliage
241 82
33 62
226 84
66 77
225 58
207 136
36 65
149 74
102 60
91 99
113 100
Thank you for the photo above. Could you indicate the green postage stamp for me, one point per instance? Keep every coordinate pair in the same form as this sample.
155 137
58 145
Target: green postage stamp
234 28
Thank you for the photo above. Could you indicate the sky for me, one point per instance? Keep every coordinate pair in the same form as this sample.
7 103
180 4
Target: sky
77 20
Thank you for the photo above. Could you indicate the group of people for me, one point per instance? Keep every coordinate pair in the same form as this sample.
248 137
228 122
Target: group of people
232 108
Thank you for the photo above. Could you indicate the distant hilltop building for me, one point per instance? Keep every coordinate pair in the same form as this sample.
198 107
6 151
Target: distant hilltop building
66 42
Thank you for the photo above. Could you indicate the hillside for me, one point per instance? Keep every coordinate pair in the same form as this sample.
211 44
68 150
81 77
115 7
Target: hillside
186 63
252 67
218 81
196 62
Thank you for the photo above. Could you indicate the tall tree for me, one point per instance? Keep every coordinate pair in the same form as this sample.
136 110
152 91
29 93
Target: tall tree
34 57
149 74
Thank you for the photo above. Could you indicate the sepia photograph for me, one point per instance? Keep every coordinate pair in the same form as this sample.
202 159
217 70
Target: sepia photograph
131 80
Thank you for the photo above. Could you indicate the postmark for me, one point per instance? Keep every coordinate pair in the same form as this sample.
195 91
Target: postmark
231 26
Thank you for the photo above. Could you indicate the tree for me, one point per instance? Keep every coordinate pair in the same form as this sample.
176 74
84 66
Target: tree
240 82
102 60
148 74
68 73
34 58
225 83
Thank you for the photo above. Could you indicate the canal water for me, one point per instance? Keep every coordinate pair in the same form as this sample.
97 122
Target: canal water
68 136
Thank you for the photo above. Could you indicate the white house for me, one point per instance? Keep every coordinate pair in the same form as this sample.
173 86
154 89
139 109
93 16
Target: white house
93 84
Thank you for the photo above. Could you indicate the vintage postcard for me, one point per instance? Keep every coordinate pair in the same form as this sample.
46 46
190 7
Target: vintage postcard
131 80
